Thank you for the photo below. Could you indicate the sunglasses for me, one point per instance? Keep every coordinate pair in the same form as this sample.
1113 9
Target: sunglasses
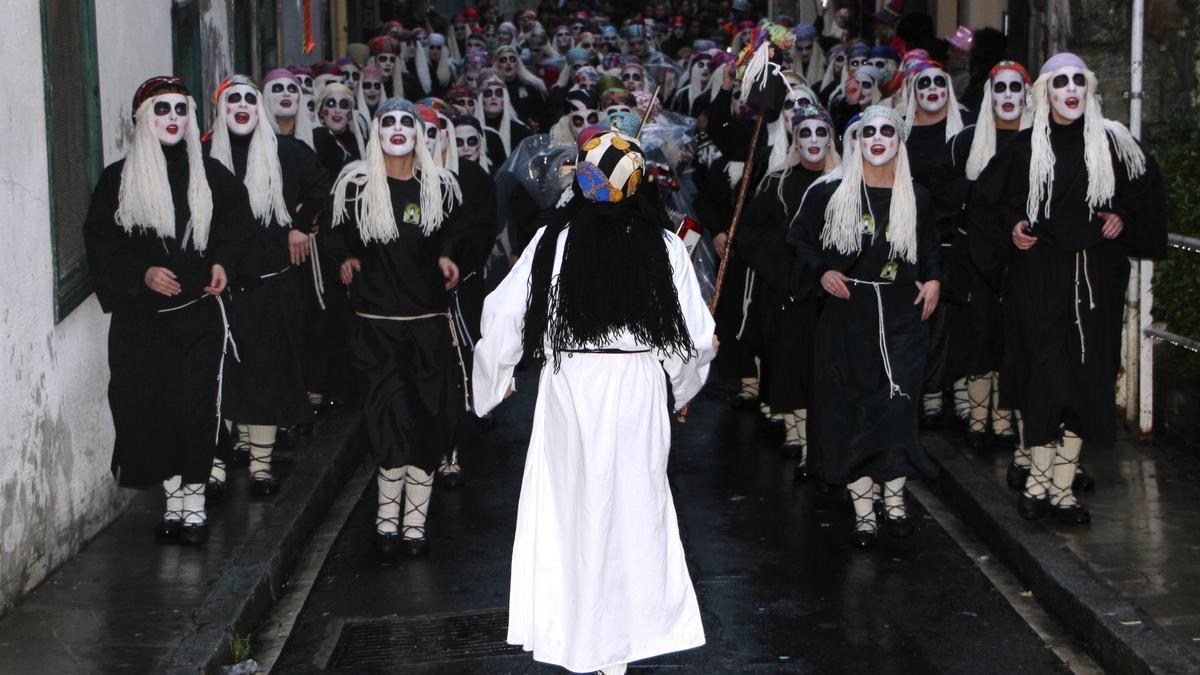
807 132
790 103
493 92
463 102
506 59
636 77
579 120
354 75
1015 87
333 103
372 85
887 131
468 142
1060 81
389 121
162 109
385 58
279 88
925 81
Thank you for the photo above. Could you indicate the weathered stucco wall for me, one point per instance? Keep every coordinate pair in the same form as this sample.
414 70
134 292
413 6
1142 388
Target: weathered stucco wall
55 430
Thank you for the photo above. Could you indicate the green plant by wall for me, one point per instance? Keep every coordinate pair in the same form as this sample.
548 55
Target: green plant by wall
1177 279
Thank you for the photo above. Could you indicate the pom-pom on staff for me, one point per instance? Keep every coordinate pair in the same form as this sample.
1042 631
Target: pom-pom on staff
764 88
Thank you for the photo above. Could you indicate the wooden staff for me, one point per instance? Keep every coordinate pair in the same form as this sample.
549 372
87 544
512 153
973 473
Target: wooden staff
649 109
747 172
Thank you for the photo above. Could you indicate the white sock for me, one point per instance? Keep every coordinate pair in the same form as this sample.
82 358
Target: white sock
893 498
193 504
1063 472
1021 456
418 488
262 446
932 403
750 387
1041 460
979 399
1002 418
962 400
862 496
218 470
315 399
390 483
172 490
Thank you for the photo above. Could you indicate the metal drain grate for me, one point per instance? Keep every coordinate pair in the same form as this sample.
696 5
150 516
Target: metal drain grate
423 639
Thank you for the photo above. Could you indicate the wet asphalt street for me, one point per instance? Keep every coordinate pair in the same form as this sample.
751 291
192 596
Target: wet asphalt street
779 587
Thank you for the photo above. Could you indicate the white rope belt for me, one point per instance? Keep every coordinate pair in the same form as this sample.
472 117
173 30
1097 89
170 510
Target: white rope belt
226 344
268 275
317 274
454 340
747 296
1091 302
893 388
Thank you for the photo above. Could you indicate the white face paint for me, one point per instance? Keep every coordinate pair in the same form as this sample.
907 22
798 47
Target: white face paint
632 78
283 98
169 114
352 76
306 82
1068 91
493 98
794 101
562 40
614 109
1008 95
241 109
584 118
804 50
445 134
336 112
398 133
372 91
700 68
839 61
879 140
430 132
856 61
932 89
506 65
813 139
870 90
467 142
385 63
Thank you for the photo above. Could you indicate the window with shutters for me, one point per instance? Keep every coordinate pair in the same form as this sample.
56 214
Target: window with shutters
73 139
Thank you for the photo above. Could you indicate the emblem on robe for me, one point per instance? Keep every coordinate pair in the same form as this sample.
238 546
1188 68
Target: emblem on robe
866 225
412 214
890 271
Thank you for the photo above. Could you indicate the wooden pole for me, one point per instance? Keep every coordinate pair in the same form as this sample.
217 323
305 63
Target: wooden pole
649 109
739 206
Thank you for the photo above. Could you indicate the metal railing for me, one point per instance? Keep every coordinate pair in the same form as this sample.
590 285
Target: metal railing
1191 245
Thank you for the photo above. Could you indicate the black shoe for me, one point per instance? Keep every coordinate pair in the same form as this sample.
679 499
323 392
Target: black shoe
977 440
264 486
931 421
1032 508
790 450
863 539
899 527
452 479
416 547
287 437
387 545
168 530
215 491
1071 515
1083 482
1017 475
194 534
744 402
1005 441
239 457
800 473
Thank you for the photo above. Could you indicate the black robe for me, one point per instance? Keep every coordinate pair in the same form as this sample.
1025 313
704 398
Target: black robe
529 105
495 145
788 323
856 425
413 374
266 384
1064 298
164 353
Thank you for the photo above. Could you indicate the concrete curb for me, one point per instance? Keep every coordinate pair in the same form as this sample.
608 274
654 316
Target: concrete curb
254 578
1120 636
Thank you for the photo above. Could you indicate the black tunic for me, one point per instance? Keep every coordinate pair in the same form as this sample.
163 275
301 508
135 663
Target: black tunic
856 426
266 384
788 324
413 374
529 104
164 357
335 150
495 145
1063 299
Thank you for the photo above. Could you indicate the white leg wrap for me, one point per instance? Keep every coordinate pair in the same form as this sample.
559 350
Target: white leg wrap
932 403
979 399
193 504
390 483
862 496
173 491
893 498
1041 460
262 446
1063 472
962 401
418 488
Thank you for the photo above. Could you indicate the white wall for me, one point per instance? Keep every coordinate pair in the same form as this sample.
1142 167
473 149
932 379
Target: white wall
56 432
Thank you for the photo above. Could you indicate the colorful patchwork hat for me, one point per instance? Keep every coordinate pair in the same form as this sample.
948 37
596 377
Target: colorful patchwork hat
609 167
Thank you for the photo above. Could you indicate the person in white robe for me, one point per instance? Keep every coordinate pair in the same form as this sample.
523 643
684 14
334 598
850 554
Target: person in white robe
598 571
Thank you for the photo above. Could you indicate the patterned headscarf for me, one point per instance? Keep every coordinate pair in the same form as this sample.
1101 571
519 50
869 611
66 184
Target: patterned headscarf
609 167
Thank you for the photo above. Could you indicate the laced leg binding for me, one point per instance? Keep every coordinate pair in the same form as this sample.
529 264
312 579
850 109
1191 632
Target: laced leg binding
862 496
795 427
193 504
390 483
418 488
449 464
932 403
218 471
962 399
1041 461
1004 421
979 399
1021 456
261 439
173 491
893 499
749 387
1066 461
